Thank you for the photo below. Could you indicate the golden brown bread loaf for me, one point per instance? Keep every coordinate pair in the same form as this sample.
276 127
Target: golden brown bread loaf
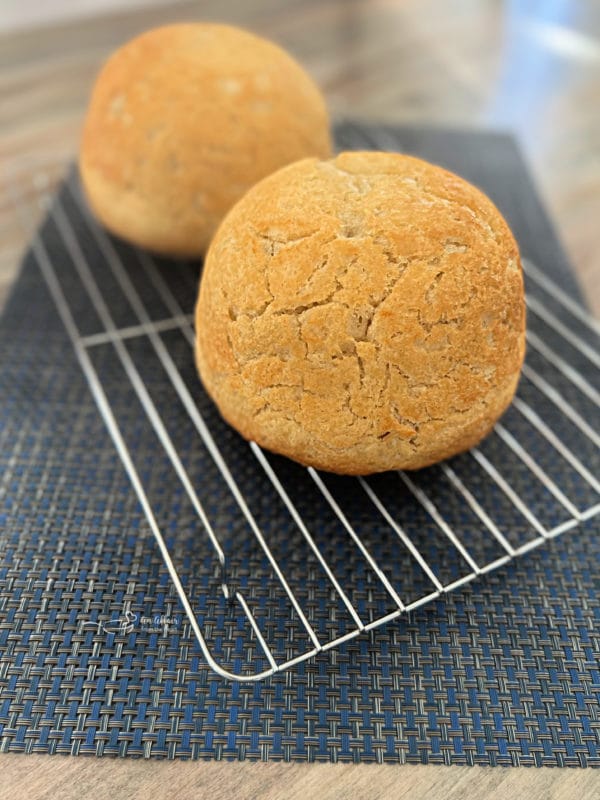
362 314
182 121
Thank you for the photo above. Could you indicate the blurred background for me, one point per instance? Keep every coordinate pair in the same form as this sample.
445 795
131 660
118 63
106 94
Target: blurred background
528 66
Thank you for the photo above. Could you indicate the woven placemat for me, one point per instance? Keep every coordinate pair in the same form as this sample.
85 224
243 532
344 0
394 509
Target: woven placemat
96 656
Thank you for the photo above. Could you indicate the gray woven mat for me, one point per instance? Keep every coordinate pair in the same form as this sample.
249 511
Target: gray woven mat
96 655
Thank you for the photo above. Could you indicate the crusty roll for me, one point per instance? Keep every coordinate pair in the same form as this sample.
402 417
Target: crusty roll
362 314
182 121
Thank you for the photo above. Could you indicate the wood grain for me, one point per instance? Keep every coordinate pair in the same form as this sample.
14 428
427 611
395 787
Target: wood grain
474 63
40 777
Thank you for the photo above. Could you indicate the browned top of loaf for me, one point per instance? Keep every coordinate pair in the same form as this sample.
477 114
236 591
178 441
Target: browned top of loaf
183 119
365 311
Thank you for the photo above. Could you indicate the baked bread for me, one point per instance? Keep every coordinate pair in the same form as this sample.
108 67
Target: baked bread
182 121
362 314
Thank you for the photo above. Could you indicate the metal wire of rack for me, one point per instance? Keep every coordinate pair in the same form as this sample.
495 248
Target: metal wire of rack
548 374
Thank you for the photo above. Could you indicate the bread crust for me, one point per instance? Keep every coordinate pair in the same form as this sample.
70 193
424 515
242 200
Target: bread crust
182 121
362 314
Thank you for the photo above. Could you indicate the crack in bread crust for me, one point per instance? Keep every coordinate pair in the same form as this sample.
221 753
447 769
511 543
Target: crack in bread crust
362 314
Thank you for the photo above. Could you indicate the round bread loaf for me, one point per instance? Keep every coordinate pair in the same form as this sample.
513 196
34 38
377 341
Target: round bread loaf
182 121
362 314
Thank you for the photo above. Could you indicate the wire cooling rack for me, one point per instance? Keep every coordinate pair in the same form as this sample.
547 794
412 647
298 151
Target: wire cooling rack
409 537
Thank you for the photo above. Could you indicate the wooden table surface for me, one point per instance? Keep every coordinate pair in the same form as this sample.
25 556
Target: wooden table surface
534 71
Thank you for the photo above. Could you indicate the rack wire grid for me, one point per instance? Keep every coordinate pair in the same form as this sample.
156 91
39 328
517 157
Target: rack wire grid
408 538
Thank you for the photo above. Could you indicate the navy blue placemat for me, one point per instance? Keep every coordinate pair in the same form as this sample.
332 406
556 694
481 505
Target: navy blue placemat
96 656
